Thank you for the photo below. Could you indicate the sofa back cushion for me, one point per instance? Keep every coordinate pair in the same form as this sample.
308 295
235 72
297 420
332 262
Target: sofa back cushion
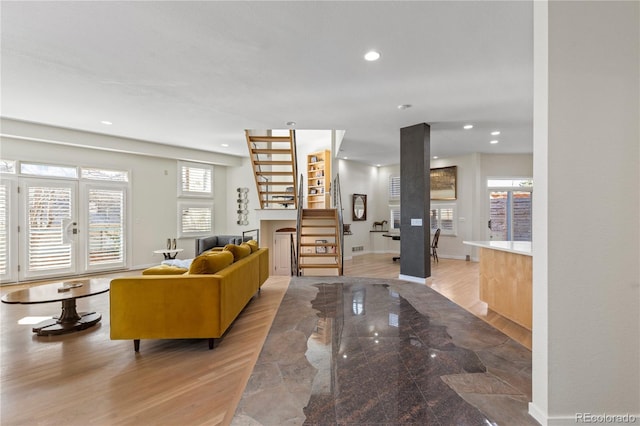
239 251
211 262
254 245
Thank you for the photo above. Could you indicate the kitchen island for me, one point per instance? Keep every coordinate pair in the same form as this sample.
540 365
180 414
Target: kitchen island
506 278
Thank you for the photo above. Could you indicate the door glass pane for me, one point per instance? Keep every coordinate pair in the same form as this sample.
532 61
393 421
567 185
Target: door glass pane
521 217
498 207
49 211
106 226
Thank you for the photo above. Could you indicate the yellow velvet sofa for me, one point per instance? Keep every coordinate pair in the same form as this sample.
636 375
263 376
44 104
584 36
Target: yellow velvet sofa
185 306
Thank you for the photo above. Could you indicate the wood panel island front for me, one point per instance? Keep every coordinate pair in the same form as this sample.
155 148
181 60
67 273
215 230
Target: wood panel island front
506 278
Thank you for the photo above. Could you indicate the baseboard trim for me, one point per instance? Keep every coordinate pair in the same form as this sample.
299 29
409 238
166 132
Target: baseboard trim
564 420
413 279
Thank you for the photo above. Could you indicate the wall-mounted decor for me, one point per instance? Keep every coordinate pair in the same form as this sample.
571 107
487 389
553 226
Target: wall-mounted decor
443 183
243 202
359 204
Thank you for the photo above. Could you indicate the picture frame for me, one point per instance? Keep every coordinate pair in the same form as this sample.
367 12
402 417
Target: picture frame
444 184
359 207
321 250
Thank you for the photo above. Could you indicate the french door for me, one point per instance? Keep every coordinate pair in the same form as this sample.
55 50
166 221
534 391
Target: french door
52 228
48 233
509 215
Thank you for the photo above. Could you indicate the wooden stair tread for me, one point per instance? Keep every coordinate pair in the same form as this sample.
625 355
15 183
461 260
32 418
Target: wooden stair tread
277 183
272 162
319 265
281 151
276 193
269 138
269 173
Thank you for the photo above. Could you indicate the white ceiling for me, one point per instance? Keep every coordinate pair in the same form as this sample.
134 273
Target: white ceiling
196 74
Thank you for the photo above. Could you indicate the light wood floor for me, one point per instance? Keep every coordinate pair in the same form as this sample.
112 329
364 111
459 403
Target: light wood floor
86 378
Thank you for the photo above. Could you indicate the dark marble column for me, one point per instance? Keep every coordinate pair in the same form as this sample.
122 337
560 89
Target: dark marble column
415 200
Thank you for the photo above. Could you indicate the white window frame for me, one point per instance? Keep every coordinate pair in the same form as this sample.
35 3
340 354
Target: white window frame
197 194
184 205
439 207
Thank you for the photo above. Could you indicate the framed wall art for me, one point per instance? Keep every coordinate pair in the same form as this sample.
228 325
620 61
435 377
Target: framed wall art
444 183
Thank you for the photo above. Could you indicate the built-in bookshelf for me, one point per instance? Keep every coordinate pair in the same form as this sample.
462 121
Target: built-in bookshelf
318 180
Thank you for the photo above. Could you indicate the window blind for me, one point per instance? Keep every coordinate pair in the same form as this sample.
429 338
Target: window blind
106 226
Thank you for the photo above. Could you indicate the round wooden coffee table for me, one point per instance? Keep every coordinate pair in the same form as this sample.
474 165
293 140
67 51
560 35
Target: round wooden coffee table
66 292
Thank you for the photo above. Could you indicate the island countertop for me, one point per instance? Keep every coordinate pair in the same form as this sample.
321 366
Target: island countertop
517 247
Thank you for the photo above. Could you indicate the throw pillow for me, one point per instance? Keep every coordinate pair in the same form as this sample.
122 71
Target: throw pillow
164 270
238 251
211 263
254 245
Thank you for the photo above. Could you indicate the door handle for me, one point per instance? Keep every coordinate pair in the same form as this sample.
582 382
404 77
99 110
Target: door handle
489 224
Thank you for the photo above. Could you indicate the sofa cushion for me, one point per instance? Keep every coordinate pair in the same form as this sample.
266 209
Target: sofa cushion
254 245
239 251
211 262
164 270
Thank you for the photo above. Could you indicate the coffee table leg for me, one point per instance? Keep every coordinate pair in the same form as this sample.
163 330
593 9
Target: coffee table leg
68 321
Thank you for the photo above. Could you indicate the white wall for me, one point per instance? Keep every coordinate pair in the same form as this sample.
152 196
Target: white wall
586 312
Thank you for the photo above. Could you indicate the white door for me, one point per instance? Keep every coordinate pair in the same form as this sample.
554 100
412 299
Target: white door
8 230
103 212
282 253
49 228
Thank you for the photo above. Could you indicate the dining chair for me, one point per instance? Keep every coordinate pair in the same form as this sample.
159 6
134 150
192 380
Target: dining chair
434 245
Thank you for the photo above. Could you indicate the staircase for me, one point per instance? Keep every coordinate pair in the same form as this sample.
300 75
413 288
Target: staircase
273 160
319 249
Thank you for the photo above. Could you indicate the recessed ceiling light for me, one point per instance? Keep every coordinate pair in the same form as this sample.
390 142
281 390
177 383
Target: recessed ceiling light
378 165
372 55
225 145
435 157
106 123
468 126
404 106
290 123
495 133
346 158
493 142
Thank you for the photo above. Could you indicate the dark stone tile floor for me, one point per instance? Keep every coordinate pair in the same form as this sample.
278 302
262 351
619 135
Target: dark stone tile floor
360 351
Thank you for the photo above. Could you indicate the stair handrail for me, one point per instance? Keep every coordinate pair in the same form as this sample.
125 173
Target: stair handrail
294 157
294 257
299 223
337 203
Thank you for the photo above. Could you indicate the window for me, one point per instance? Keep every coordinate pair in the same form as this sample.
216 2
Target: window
394 187
443 216
49 170
8 166
195 219
106 226
105 175
510 183
395 218
195 180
